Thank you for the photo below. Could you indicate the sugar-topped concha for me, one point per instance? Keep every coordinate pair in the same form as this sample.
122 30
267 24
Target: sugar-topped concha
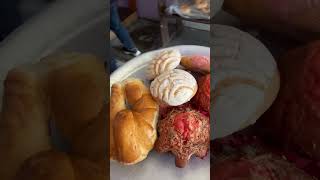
165 61
174 87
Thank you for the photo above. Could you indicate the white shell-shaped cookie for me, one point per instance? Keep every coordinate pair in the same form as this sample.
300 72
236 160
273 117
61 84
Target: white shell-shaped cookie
164 61
174 87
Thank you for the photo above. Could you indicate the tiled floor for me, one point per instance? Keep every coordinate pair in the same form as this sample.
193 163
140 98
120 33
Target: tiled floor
146 35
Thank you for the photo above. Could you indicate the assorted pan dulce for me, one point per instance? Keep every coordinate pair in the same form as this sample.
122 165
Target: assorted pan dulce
69 90
184 130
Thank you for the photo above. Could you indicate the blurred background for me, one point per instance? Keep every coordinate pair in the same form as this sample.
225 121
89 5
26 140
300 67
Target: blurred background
143 20
13 13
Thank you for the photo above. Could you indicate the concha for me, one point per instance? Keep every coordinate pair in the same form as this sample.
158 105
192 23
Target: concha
165 61
174 87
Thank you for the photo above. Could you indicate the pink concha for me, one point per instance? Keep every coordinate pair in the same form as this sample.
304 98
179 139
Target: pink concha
196 63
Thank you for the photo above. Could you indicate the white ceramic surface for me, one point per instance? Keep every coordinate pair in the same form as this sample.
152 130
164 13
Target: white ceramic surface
158 166
241 55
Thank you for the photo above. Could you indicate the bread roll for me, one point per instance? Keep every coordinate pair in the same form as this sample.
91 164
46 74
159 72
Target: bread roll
134 131
246 80
174 87
34 93
165 61
134 90
117 104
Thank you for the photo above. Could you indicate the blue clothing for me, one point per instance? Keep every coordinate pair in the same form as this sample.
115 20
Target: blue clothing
116 26
113 65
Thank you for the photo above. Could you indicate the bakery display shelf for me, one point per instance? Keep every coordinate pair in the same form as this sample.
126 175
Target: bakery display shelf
164 23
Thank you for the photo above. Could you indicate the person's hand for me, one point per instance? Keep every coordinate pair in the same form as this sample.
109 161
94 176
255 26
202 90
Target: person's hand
300 18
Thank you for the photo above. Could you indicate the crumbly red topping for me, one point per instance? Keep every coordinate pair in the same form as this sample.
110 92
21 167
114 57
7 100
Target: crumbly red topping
184 132
185 124
202 98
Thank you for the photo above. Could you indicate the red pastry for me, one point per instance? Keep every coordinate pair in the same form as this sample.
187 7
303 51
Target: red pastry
202 98
196 63
184 132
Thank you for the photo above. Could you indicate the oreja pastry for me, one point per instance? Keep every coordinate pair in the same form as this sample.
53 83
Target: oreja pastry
174 87
164 61
133 130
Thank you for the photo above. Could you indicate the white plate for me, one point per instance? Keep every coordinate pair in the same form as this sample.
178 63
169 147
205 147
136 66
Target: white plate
238 108
158 166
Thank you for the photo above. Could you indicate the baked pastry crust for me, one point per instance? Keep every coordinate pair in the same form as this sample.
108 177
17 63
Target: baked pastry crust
165 61
174 87
133 130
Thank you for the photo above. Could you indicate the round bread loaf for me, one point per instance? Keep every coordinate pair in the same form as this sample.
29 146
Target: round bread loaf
174 87
246 80
164 61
